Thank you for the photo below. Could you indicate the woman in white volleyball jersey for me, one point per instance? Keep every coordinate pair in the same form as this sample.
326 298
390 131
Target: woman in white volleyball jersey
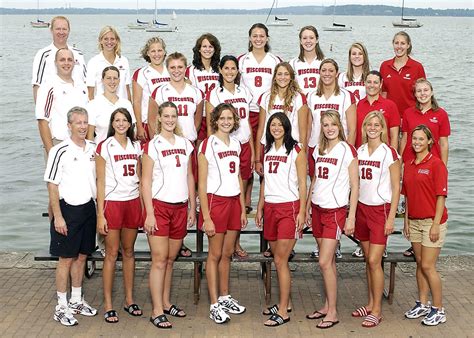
358 68
282 202
329 96
119 212
306 65
145 80
222 213
284 95
335 177
379 174
169 200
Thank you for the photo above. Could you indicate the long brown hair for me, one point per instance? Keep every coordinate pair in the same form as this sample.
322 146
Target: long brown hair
167 104
319 89
262 26
319 52
434 102
290 92
365 65
323 141
216 114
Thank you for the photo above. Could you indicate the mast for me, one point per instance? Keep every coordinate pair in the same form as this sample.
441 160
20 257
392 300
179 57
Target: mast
403 6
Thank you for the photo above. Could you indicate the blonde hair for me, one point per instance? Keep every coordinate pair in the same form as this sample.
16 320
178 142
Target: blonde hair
60 17
378 114
103 32
434 102
291 91
176 56
146 48
177 130
323 141
319 89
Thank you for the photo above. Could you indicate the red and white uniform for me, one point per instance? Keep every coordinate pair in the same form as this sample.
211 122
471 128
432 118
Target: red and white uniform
319 104
203 79
331 189
278 106
374 173
149 79
44 68
280 175
307 74
399 84
437 121
356 86
170 170
97 64
387 107
54 100
223 166
186 101
100 109
121 178
240 100
257 77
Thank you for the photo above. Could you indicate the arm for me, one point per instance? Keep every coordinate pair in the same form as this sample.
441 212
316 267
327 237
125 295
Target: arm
90 91
308 201
354 197
395 184
137 109
303 125
59 222
90 132
102 227
198 115
152 114
45 134
444 149
406 221
301 164
258 137
434 230
394 132
252 151
208 225
403 142
243 213
35 92
146 181
192 196
260 205
351 118
209 109
129 95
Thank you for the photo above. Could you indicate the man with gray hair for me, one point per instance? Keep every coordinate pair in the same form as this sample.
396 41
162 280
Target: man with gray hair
70 175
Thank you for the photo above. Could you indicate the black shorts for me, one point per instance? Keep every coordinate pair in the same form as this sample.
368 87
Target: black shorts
81 221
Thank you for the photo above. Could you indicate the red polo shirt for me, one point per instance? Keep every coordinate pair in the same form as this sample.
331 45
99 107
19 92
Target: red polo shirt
398 84
422 184
386 106
437 121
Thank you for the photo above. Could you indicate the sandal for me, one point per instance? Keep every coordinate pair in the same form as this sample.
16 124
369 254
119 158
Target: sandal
361 312
271 310
132 309
248 209
175 311
371 321
158 320
185 251
110 314
324 326
292 255
316 315
277 320
268 253
240 254
409 252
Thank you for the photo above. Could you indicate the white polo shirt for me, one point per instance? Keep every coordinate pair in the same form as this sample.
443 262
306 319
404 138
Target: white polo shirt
72 169
96 65
54 100
44 68
306 73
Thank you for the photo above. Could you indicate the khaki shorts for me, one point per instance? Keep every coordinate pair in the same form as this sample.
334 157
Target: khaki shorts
55 142
420 232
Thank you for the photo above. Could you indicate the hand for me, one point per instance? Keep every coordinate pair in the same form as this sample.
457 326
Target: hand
102 226
300 222
349 226
60 225
259 168
308 218
243 220
259 218
434 232
389 226
209 228
191 218
252 162
150 224
406 229
141 133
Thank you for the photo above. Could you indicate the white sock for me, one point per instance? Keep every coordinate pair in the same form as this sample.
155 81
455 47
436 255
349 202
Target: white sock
62 298
76 295
214 305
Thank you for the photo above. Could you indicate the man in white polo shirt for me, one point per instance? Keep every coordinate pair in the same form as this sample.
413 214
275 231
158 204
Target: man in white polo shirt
70 175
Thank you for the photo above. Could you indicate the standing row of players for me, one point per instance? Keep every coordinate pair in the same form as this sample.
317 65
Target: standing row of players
267 86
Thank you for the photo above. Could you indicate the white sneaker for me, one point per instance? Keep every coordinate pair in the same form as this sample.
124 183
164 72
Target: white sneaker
218 315
358 252
385 253
64 315
338 251
419 310
82 308
230 305
435 317
315 253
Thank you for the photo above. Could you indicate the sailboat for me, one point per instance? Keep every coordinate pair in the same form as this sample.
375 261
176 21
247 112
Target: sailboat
174 16
277 21
39 23
336 27
406 22
139 24
159 26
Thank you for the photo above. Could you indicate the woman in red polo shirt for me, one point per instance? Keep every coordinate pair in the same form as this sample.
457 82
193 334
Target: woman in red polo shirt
425 186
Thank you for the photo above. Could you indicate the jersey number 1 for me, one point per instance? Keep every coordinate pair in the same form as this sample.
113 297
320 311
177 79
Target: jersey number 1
128 169
273 167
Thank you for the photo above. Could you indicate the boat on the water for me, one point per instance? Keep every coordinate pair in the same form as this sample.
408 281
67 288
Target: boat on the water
160 27
336 27
406 22
139 24
277 21
39 23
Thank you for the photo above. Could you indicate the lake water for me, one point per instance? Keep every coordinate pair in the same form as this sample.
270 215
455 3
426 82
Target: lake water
443 45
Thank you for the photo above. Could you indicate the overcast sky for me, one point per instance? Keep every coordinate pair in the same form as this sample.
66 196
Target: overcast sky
241 4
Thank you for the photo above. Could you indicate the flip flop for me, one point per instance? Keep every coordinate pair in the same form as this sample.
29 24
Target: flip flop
160 320
110 314
132 308
361 312
174 311
409 252
331 324
240 253
318 314
371 321
277 320
185 251
268 253
273 310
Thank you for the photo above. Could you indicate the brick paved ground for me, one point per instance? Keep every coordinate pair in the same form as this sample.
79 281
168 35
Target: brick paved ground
27 297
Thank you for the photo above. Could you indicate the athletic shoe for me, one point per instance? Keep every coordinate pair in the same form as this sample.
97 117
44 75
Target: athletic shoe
231 305
435 317
358 252
82 308
385 253
419 310
338 251
63 314
218 315
315 253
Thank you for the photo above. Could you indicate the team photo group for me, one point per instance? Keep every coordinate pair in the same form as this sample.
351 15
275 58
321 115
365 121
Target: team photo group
177 143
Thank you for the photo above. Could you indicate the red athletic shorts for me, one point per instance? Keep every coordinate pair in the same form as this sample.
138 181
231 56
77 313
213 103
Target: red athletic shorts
311 163
123 214
225 213
245 161
370 223
202 133
171 219
328 223
253 121
280 220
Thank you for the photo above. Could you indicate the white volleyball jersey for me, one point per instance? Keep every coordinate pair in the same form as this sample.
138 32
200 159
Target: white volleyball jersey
44 68
319 104
54 100
278 105
100 109
374 173
96 65
307 74
206 80
356 87
148 78
170 170
121 165
240 100
223 166
331 189
257 77
280 175
186 101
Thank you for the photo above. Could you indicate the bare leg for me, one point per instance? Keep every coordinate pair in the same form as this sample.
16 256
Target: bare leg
112 244
128 238
327 264
159 259
213 258
374 259
423 286
77 270
224 263
173 249
429 257
365 248
62 273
